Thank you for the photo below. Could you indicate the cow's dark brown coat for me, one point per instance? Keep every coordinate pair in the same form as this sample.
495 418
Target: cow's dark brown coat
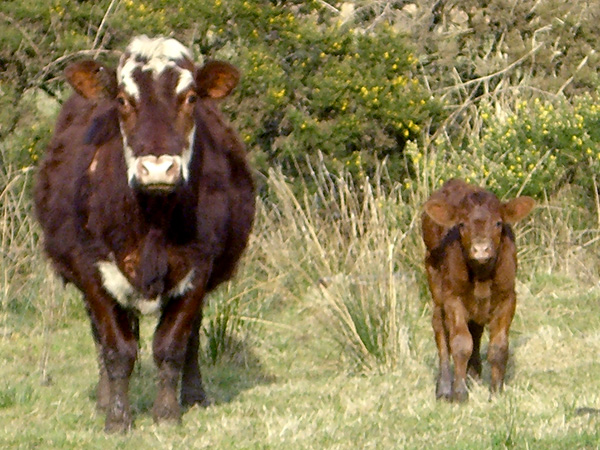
170 241
471 264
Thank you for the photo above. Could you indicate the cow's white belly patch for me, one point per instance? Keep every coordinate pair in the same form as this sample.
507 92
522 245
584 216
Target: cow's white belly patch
119 287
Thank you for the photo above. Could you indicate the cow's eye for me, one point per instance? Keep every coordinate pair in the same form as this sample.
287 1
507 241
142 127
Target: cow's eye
191 98
461 225
122 101
499 224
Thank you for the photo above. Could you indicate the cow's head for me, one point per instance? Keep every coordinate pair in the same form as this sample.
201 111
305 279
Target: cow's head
480 218
155 92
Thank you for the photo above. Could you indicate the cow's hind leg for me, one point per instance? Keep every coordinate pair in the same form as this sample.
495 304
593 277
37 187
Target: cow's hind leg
474 366
192 390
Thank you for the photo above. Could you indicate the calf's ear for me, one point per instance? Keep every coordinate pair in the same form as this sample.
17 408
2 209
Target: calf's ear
517 209
216 79
440 212
92 80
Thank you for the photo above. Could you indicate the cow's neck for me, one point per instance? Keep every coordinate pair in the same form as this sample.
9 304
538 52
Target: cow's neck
157 210
166 216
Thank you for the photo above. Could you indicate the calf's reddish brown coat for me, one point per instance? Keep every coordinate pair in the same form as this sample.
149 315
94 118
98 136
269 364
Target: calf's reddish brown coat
146 203
471 263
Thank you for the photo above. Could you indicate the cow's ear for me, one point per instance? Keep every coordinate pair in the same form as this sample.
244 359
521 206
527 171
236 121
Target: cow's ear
440 212
517 209
216 79
92 80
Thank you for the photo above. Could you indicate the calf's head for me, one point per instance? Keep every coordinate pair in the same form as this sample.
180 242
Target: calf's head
154 94
480 218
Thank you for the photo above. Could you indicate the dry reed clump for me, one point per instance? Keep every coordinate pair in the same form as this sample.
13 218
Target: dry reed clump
345 250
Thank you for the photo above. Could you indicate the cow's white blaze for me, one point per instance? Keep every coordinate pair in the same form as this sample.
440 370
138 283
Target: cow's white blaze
155 55
186 80
186 155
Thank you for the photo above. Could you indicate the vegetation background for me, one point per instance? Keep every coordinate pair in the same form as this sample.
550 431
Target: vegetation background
352 113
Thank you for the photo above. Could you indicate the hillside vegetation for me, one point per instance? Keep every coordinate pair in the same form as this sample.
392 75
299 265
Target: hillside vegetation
352 113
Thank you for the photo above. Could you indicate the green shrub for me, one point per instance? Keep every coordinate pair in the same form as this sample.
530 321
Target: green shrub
532 148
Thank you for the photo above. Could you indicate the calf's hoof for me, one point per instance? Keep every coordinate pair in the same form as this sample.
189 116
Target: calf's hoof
443 391
460 394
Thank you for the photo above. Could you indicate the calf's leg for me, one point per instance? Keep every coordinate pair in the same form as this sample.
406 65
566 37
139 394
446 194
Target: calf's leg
443 387
474 366
461 346
444 382
498 348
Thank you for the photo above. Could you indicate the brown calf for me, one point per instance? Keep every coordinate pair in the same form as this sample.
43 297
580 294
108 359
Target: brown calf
146 202
471 262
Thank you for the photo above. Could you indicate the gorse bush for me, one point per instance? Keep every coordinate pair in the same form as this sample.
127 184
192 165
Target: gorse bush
310 82
532 148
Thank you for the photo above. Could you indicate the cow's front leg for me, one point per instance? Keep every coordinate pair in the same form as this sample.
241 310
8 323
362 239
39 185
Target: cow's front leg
117 350
103 388
170 346
461 346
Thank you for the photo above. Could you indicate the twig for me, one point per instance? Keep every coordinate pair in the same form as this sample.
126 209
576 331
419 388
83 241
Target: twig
63 58
328 6
22 31
108 11
495 74
572 77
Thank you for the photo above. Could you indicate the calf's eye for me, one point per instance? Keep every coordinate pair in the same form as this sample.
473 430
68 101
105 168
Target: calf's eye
499 224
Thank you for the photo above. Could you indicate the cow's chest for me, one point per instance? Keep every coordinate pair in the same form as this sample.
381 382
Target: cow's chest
121 279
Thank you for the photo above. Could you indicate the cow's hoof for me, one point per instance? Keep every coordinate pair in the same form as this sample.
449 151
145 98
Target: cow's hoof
191 396
166 409
102 395
117 423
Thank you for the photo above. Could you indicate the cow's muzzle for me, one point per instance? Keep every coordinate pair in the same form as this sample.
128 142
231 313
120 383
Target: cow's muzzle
158 174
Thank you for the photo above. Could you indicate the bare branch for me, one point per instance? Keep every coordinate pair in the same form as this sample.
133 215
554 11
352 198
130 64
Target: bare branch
328 6
100 28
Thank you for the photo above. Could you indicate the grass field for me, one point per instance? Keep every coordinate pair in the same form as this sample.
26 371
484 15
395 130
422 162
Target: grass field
328 342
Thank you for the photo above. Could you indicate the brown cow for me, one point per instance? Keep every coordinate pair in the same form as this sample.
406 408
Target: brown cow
146 203
471 262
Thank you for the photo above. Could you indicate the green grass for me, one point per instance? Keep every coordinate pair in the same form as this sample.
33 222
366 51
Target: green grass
291 390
